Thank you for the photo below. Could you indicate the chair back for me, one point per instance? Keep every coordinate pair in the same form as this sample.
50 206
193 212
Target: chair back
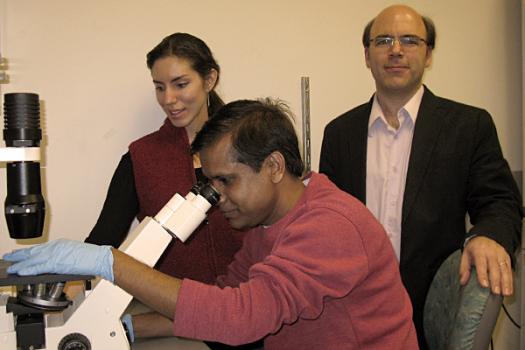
459 317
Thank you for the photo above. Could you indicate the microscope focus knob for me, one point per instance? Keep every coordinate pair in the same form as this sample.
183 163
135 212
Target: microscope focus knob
74 341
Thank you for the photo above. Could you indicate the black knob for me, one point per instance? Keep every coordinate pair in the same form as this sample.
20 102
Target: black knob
74 341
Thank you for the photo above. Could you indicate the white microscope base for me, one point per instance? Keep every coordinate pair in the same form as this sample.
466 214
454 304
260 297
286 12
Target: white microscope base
97 317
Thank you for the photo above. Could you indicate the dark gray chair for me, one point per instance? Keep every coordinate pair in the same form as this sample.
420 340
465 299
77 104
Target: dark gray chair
458 317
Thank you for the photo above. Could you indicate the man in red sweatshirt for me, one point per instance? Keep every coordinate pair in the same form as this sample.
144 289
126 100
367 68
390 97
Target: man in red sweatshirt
316 271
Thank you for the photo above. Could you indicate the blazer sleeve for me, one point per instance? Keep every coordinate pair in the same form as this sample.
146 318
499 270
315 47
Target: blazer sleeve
493 199
328 152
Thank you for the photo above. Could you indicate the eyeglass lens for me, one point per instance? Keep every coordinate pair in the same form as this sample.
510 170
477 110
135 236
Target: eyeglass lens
405 40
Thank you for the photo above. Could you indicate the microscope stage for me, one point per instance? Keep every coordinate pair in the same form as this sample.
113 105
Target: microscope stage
15 280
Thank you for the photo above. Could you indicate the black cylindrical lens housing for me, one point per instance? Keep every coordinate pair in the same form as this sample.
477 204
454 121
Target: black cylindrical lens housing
24 204
22 120
210 193
206 190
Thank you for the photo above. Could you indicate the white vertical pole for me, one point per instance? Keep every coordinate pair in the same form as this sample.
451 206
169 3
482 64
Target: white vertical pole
521 257
305 104
4 78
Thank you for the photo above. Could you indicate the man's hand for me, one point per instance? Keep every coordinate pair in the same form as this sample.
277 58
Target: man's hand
493 265
64 257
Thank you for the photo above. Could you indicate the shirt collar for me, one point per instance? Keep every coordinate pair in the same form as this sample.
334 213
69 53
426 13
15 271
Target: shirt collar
410 109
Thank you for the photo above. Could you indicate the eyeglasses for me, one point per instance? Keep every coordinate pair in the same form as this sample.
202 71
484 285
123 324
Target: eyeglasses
406 41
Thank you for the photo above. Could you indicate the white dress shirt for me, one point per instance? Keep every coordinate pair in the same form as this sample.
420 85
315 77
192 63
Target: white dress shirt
388 153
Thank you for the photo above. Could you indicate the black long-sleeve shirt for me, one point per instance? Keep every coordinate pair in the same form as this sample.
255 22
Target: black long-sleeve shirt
120 207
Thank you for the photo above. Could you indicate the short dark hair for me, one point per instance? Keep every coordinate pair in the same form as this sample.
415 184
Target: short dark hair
257 128
429 26
196 52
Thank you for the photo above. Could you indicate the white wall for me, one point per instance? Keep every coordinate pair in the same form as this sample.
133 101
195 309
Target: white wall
86 59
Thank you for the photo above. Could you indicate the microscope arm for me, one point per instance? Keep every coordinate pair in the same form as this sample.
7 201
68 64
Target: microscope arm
157 290
97 317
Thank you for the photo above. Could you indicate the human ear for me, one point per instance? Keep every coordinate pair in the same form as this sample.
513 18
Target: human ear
211 80
367 57
428 59
276 166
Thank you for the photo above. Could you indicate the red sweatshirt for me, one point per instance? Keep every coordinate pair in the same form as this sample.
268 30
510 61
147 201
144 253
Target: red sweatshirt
323 277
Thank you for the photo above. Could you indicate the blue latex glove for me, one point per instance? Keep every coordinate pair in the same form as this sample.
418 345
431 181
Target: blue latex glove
127 320
63 256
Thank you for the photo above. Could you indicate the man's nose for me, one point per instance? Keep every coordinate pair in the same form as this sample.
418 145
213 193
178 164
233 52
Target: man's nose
396 48
222 199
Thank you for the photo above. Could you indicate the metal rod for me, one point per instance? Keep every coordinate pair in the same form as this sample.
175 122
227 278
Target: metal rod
55 292
305 104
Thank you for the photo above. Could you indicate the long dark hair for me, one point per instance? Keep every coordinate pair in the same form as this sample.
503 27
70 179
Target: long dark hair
193 49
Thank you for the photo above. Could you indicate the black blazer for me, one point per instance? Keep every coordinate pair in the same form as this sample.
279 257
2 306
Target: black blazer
455 167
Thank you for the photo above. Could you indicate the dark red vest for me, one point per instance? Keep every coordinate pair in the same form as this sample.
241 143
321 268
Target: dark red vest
163 166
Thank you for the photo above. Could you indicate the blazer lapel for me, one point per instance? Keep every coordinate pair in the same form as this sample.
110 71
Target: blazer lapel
426 133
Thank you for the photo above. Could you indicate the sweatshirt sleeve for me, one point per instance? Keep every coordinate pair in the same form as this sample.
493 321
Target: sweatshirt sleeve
317 256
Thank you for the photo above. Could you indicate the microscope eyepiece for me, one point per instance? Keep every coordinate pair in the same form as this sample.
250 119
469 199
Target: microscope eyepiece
196 188
206 190
210 193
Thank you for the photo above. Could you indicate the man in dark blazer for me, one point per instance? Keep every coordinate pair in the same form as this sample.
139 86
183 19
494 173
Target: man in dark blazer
447 162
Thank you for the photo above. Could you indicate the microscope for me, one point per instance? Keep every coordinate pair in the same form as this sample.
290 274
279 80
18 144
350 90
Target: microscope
40 315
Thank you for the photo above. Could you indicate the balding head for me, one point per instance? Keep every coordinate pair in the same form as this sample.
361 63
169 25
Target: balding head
399 14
